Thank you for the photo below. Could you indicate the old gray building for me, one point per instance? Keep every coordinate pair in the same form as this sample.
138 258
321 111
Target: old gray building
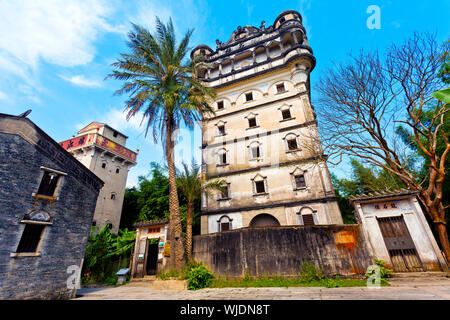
47 203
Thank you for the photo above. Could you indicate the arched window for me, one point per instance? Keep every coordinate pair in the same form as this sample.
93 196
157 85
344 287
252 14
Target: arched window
224 223
291 142
255 151
307 216
222 157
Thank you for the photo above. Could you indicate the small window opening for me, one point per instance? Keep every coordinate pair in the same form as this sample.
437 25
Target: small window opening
220 105
224 193
280 88
94 223
104 165
48 184
286 114
252 122
117 170
308 219
221 130
300 181
31 237
255 152
260 187
292 144
109 225
249 96
115 134
283 19
224 226
223 158
113 196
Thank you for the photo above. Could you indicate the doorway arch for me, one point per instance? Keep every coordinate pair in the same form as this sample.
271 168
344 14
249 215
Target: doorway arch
264 220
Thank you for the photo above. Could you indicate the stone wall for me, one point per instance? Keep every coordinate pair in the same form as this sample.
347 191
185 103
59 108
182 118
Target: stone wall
337 249
43 276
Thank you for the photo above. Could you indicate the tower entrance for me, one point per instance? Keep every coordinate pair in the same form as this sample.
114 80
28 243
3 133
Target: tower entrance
264 220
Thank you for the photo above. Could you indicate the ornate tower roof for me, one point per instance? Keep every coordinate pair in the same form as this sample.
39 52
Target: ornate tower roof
251 51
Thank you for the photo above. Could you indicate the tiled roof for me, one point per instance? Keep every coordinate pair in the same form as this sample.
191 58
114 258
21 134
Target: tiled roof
382 194
150 223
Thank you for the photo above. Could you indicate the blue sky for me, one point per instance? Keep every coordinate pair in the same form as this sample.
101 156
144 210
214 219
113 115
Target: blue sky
54 55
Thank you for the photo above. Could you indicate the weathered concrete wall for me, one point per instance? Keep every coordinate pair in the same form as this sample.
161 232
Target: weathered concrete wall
337 249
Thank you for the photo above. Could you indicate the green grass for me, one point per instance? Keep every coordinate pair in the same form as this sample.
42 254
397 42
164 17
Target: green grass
279 281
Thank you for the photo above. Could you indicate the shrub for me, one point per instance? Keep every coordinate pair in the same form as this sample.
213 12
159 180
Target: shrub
308 272
384 272
199 277
187 268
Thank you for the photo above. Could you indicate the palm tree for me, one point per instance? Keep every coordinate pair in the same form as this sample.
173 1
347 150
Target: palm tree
162 86
189 181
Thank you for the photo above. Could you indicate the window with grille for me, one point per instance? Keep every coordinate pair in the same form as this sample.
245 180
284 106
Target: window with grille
221 130
252 122
220 105
225 226
308 219
286 114
300 181
48 184
280 88
260 187
249 96
31 237
292 144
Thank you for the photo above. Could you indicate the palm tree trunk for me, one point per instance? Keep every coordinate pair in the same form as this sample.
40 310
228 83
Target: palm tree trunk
189 219
176 243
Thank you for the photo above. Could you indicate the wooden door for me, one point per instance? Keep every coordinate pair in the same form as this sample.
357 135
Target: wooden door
399 244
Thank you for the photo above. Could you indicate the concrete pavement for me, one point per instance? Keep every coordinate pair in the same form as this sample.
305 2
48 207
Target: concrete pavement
400 289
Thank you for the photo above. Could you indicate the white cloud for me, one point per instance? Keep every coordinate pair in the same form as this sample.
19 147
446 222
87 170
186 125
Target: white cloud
60 32
81 81
116 118
3 96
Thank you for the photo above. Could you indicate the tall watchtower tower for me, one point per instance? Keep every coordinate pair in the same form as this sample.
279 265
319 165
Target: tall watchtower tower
102 150
263 139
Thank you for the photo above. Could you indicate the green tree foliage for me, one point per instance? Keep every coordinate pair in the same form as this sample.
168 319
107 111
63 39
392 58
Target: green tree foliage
104 253
362 180
150 201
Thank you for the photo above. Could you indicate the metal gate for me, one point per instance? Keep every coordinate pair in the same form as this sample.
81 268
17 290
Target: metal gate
399 244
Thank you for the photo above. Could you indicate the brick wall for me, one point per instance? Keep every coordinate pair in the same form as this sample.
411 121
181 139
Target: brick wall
64 242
